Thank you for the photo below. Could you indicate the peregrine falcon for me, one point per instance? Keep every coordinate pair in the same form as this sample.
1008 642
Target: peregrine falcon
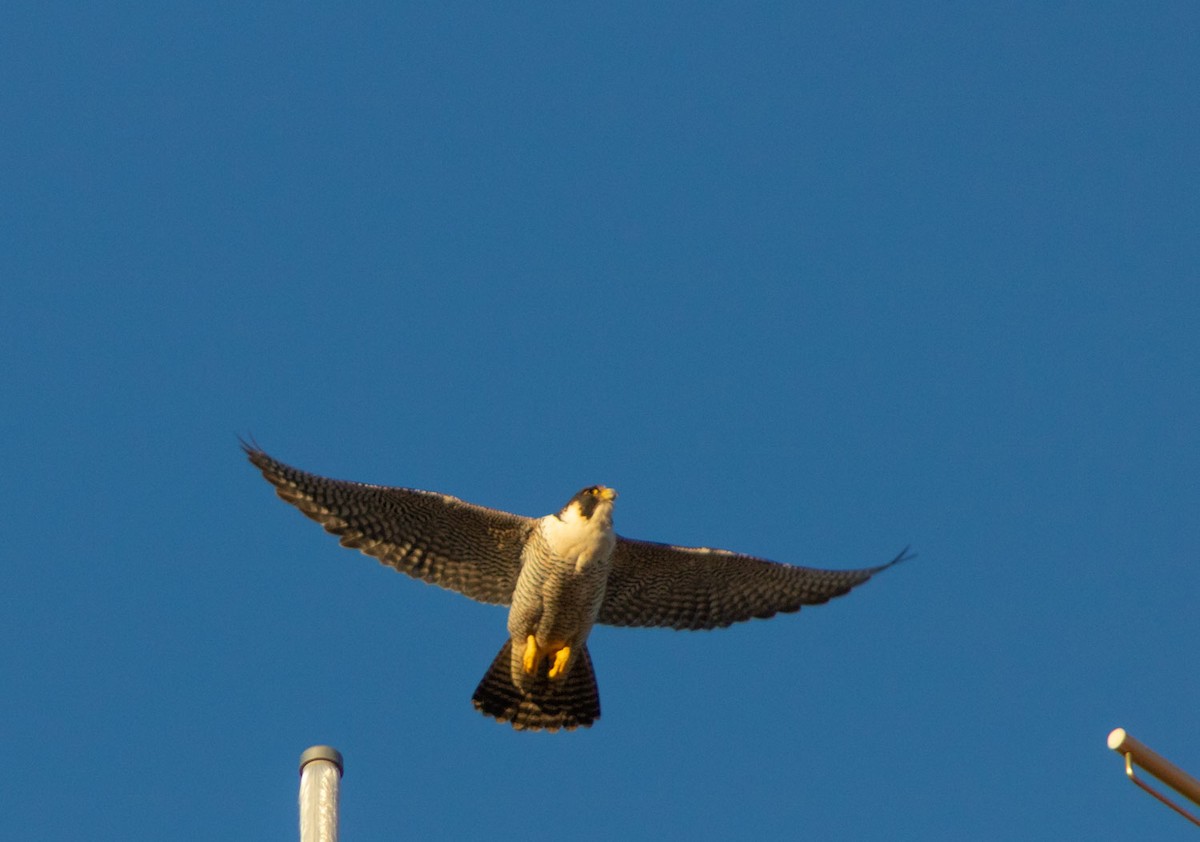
560 574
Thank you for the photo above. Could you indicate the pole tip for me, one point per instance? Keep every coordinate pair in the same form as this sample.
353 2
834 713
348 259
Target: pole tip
322 753
1116 739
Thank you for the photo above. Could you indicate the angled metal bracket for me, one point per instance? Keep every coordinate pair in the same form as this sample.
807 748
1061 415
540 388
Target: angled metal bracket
1137 754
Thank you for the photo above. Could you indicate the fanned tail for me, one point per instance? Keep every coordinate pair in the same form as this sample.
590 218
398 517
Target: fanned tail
573 702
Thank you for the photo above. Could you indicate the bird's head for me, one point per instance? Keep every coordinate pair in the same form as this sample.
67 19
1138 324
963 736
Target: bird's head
595 502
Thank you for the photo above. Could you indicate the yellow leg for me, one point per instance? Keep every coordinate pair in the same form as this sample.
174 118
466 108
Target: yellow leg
560 661
530 661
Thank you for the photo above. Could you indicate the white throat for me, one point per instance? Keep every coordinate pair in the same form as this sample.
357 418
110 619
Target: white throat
574 538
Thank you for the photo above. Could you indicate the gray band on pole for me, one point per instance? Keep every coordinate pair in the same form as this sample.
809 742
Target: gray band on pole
322 753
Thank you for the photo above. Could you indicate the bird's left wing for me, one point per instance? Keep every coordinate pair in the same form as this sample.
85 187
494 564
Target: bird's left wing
439 539
701 588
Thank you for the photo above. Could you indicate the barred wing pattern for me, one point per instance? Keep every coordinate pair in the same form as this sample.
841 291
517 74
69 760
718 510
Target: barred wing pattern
436 538
700 588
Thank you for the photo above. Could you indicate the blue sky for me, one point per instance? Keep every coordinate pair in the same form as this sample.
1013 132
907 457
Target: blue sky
810 283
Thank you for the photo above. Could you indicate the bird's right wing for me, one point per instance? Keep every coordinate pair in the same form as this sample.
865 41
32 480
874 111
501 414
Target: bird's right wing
439 539
701 588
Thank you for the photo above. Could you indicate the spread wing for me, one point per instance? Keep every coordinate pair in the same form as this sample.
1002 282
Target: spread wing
432 537
700 588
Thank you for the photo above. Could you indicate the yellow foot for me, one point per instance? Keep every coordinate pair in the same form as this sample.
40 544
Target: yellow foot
560 662
530 660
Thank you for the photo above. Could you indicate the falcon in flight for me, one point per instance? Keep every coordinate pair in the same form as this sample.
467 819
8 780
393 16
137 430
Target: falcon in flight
559 575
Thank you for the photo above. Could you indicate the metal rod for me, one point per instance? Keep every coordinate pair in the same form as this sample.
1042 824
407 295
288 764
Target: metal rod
320 777
1161 768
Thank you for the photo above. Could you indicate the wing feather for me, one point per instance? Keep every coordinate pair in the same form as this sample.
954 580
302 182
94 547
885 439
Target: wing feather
700 588
436 538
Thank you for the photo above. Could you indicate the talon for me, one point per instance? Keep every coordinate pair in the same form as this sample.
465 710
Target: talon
560 661
530 659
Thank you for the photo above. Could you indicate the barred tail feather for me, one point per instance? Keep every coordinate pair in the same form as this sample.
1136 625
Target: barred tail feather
551 705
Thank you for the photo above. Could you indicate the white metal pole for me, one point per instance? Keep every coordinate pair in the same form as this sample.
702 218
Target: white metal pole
320 777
